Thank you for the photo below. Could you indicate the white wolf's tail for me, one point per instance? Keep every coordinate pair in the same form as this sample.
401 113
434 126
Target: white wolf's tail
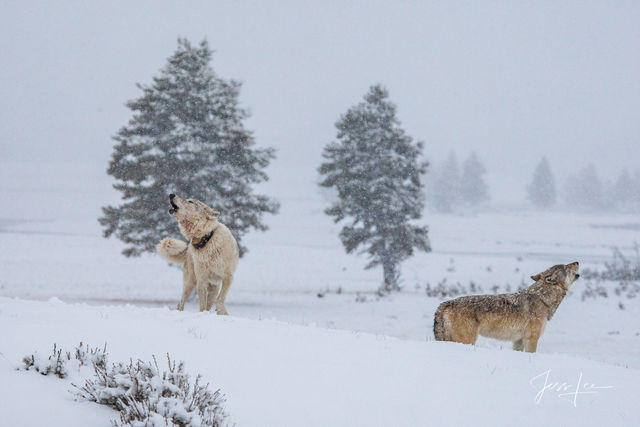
173 250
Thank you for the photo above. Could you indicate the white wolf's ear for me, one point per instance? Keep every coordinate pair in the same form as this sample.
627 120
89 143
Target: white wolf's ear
214 214
536 277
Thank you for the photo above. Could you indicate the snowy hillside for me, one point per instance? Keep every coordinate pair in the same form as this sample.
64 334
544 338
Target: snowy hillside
276 374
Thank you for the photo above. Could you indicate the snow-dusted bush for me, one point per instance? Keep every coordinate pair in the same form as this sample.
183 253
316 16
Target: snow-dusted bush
144 395
452 290
623 272
60 363
600 288
594 289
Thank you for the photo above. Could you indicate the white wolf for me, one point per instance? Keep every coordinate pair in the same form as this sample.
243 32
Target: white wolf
208 260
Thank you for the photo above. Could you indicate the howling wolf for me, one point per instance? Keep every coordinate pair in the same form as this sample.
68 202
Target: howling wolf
519 317
208 260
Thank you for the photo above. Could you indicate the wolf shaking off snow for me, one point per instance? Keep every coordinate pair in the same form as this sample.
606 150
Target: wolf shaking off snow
519 317
209 259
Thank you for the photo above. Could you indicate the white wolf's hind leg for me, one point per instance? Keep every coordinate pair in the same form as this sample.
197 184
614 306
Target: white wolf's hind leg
212 295
226 283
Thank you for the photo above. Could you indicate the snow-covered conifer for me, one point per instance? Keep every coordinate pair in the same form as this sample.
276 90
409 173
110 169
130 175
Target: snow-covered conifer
186 136
584 190
473 189
376 169
541 191
443 192
620 193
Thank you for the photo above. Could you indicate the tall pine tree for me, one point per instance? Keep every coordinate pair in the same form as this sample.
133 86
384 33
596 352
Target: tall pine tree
542 189
473 188
186 136
376 170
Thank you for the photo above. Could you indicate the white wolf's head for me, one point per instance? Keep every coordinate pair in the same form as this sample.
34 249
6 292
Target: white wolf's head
195 219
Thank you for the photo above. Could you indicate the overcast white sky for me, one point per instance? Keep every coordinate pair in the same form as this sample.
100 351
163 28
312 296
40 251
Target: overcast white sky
510 80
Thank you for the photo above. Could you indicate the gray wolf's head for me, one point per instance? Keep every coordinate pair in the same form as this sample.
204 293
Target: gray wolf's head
560 274
194 217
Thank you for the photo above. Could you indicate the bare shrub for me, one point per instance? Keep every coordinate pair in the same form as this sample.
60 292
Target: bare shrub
144 395
622 273
451 290
57 363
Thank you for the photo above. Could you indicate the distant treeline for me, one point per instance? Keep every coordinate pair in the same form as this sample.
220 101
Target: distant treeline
451 188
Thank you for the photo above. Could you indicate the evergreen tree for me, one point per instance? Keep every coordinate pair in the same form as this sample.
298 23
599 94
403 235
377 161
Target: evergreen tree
444 192
585 190
376 170
186 136
635 193
542 189
620 195
473 188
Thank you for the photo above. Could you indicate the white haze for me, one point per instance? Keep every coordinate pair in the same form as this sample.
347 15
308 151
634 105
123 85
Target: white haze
511 80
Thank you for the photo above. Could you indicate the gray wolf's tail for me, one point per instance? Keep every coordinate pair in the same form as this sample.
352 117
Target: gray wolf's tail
439 328
173 250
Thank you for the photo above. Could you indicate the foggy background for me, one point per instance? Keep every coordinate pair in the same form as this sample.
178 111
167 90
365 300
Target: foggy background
511 81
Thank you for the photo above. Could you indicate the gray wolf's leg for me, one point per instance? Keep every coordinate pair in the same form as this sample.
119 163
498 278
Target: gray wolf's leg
518 345
531 336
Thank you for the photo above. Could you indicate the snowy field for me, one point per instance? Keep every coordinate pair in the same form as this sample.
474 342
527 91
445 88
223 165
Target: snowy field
278 374
308 341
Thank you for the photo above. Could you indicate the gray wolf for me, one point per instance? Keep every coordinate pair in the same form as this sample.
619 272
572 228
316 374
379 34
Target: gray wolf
519 317
210 258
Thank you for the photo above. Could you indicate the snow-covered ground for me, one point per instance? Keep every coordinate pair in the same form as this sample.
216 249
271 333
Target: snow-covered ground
278 374
287 356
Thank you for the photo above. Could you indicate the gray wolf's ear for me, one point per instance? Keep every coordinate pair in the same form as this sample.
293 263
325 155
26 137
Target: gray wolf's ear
536 277
212 212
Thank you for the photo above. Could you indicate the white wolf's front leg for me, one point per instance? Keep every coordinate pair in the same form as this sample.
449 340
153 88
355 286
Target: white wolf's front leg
212 295
203 290
188 283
